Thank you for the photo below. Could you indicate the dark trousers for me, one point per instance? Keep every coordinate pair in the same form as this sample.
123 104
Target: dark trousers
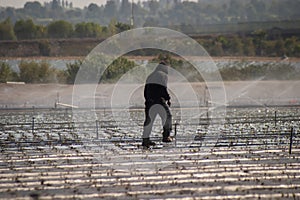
151 111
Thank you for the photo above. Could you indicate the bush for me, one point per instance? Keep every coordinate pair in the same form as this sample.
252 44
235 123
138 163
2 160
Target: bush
266 71
60 29
37 72
25 29
116 69
71 71
6 73
7 30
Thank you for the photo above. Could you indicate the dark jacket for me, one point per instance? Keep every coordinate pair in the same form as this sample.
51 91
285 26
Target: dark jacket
156 85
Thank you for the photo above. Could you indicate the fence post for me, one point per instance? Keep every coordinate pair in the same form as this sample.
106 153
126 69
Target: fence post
175 134
291 140
60 139
275 118
97 130
32 125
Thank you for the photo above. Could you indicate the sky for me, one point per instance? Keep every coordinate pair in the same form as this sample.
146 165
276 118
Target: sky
76 3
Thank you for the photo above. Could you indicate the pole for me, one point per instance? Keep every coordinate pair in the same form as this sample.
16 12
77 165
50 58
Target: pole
59 135
97 130
291 140
275 118
32 125
175 134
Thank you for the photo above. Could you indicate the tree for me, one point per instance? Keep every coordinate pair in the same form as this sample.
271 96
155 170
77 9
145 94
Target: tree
25 29
236 46
88 29
6 73
122 27
71 71
60 29
37 72
93 11
117 68
259 37
110 9
34 9
112 29
6 30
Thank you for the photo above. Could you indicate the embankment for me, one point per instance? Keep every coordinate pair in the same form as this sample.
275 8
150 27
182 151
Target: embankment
45 47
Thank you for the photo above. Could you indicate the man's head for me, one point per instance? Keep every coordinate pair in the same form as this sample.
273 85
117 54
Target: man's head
163 66
164 60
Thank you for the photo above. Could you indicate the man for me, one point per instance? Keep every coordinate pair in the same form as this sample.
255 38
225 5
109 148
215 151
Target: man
157 102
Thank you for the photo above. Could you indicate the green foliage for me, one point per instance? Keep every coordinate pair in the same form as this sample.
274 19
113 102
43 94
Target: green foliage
25 29
42 72
122 27
37 72
240 71
6 73
71 71
116 69
6 30
60 29
87 29
96 66
235 46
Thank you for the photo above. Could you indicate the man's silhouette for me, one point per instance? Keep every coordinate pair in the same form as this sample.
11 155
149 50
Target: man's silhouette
157 102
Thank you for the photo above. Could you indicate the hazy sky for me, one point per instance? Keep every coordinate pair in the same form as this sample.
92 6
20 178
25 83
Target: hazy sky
76 3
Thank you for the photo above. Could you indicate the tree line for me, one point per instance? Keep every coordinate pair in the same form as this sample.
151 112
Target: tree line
259 43
43 72
27 29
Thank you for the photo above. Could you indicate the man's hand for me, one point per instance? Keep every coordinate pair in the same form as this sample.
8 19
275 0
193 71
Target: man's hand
169 103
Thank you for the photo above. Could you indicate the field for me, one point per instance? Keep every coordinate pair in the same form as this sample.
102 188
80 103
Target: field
252 152
44 155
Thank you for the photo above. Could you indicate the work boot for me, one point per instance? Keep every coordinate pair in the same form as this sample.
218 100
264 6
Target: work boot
167 139
147 143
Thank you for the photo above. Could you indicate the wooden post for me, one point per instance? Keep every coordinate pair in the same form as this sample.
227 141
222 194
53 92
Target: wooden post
275 118
60 139
291 140
175 134
32 125
97 130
